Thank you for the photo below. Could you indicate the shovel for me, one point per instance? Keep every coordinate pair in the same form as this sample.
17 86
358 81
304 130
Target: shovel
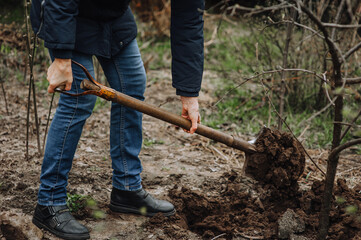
125 100
90 86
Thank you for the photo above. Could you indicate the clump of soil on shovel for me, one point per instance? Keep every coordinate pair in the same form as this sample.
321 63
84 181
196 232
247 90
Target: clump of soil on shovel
251 209
279 160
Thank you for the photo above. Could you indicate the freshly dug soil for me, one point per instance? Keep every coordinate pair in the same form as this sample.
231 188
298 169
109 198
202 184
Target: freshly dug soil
255 213
248 209
280 160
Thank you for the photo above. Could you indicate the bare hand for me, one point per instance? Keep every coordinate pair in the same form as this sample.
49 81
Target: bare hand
190 110
60 75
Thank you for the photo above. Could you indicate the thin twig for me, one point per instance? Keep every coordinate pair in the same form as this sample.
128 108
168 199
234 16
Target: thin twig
26 68
352 50
341 25
342 147
353 80
250 237
304 149
253 11
338 15
220 235
220 153
31 53
331 44
352 122
284 65
268 72
326 90
348 170
316 114
297 24
48 120
304 131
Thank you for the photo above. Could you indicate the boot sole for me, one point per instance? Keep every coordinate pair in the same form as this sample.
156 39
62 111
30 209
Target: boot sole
66 236
126 209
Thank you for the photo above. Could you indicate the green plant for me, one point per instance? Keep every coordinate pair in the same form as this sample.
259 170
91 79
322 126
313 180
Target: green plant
351 209
165 169
340 200
76 202
149 142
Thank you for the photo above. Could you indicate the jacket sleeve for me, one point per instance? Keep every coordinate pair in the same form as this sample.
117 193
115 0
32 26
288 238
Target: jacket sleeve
187 46
60 26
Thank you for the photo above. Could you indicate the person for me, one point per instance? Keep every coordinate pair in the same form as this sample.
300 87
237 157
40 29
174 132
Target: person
78 30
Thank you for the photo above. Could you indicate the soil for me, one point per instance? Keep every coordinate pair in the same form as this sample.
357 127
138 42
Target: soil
279 161
203 179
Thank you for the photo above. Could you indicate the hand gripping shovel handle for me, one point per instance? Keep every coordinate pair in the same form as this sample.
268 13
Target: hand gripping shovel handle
125 100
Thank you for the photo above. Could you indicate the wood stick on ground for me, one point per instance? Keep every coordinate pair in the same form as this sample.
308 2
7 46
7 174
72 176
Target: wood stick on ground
220 235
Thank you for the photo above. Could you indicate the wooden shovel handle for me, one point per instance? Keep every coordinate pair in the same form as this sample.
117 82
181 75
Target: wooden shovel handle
125 100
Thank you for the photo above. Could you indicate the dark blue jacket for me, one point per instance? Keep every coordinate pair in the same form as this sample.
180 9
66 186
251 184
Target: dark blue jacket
104 27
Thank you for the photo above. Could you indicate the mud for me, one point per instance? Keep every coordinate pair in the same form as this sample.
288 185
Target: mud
255 213
280 160
243 208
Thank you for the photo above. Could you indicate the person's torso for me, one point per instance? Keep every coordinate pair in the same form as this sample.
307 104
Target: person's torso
103 10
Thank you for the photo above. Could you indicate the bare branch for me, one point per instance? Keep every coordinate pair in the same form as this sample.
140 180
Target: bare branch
331 44
349 10
31 56
333 25
317 113
342 147
268 72
338 15
332 102
297 24
351 124
284 65
351 81
253 11
352 50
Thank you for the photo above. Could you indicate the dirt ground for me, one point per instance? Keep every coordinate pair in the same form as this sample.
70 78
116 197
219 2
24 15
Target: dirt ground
202 178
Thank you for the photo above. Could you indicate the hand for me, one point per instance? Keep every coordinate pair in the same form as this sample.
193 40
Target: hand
60 75
190 110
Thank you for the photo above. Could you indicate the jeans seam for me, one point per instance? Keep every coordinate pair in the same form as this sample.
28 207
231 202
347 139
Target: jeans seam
62 149
122 119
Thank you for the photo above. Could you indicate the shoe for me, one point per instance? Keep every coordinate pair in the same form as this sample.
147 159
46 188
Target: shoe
139 202
59 221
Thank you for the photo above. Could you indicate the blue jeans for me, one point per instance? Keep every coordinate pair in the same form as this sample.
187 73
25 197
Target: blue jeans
125 73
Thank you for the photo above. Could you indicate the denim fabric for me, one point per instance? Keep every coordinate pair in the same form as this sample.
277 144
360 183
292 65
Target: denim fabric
125 73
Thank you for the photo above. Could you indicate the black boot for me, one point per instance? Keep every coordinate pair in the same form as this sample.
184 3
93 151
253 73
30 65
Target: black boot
139 202
59 221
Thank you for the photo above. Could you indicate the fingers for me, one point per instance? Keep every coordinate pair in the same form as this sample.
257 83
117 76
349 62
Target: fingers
51 89
194 117
68 86
190 111
60 75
